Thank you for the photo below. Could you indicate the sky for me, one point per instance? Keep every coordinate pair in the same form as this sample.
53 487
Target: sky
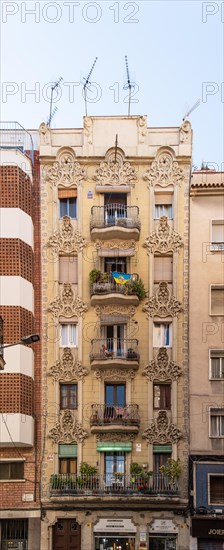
175 57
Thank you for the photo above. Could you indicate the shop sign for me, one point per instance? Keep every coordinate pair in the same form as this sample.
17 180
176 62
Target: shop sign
212 528
163 526
114 525
143 537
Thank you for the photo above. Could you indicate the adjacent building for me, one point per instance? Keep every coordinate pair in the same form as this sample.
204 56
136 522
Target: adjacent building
115 231
20 316
206 360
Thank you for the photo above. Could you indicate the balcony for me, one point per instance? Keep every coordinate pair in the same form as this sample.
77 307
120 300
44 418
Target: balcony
106 291
118 484
111 418
115 221
114 353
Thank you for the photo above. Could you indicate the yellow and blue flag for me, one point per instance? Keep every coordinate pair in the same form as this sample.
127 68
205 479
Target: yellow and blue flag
121 278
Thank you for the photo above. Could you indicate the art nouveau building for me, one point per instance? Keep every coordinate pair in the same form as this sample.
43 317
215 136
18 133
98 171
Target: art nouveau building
20 316
115 209
206 360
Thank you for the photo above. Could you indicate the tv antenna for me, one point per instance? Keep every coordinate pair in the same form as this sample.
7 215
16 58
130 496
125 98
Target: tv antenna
195 106
129 85
88 82
116 144
54 87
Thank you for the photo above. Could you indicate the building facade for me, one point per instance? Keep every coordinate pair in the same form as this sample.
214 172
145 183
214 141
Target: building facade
115 228
206 360
20 312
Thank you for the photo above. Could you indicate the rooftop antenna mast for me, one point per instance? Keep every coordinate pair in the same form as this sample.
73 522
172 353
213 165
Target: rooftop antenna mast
54 87
128 85
195 106
116 144
88 82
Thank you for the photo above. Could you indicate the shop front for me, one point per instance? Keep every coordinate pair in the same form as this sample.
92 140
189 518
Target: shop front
163 535
209 533
114 534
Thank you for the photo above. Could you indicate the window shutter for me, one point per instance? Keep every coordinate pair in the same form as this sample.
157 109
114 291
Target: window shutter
217 489
68 272
67 193
217 301
163 198
163 268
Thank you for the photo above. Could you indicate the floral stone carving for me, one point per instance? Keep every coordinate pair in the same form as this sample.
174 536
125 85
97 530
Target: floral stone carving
114 374
162 303
111 172
116 245
67 369
164 239
162 368
115 437
66 239
115 310
67 429
164 171
65 171
67 304
161 430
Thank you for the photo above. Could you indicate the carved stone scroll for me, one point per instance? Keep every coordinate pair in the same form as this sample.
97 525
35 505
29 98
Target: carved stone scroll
67 429
164 171
65 171
161 430
66 240
67 369
115 310
162 368
119 172
116 245
115 437
114 375
67 304
164 239
162 304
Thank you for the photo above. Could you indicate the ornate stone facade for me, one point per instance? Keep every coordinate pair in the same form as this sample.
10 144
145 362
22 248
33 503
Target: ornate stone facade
162 368
116 437
164 171
115 310
67 304
162 304
142 129
114 375
164 239
67 368
185 132
65 171
67 429
119 172
162 430
116 245
66 240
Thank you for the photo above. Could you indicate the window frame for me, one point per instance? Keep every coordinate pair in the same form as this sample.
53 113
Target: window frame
163 385
215 221
11 462
221 351
218 416
69 397
68 343
215 286
67 207
210 475
162 344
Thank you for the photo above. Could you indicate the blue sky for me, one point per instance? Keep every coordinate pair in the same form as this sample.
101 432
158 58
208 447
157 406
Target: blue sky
175 56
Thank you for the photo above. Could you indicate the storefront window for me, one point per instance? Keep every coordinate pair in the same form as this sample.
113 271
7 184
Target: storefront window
115 543
162 543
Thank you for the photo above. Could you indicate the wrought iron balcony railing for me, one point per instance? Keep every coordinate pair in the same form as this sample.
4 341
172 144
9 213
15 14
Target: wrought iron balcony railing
14 136
115 484
104 415
115 215
114 348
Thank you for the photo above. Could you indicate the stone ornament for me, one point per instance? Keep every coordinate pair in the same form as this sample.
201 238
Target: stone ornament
67 368
162 304
67 429
67 304
164 171
162 430
185 132
65 171
115 310
161 368
66 239
142 129
115 245
115 437
114 375
119 172
45 134
164 239
88 129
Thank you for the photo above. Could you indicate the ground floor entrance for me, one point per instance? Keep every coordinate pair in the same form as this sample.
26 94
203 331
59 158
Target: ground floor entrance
66 535
114 543
163 542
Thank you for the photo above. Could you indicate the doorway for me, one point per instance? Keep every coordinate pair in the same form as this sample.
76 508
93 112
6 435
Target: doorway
115 543
66 535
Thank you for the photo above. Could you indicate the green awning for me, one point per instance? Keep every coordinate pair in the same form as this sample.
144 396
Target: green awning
67 451
162 448
110 447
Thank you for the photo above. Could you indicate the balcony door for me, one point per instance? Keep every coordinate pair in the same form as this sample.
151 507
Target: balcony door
115 207
115 395
115 339
115 264
114 467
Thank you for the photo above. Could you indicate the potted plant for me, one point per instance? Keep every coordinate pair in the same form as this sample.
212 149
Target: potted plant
172 469
136 287
88 476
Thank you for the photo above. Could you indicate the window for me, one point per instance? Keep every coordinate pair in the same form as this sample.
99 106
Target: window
216 486
216 364
115 264
67 203
115 394
161 453
67 455
69 335
163 269
163 205
68 272
162 396
14 533
11 470
217 235
217 299
114 467
162 335
217 422
68 396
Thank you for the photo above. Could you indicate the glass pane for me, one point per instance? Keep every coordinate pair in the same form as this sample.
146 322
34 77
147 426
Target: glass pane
156 335
63 467
72 208
109 394
17 470
215 367
73 396
64 335
64 396
4 471
120 400
221 425
73 466
63 207
73 335
166 335
214 426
